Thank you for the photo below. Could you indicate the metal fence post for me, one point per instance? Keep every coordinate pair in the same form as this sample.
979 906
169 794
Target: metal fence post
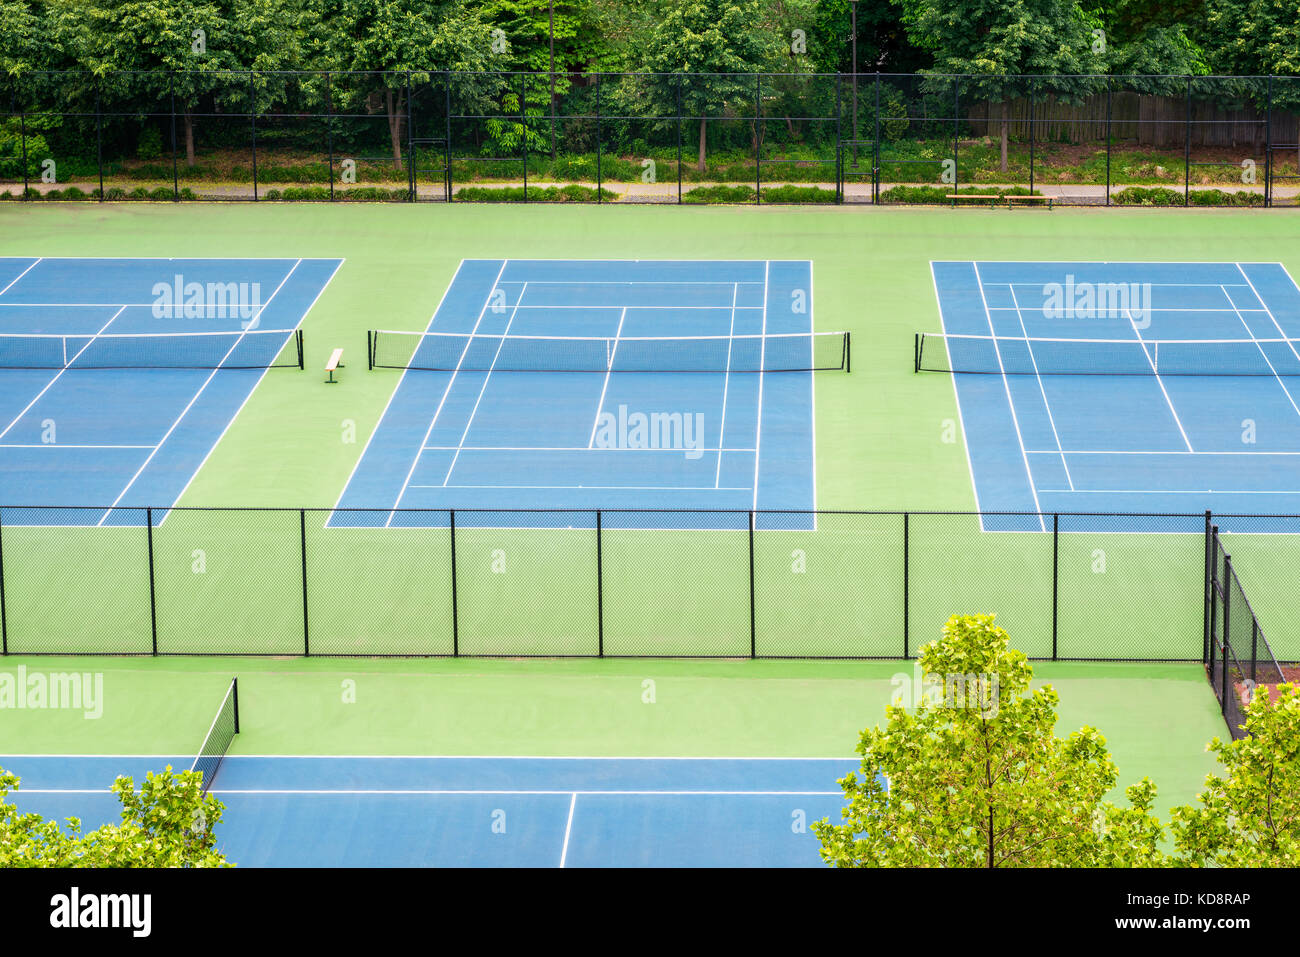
1187 149
306 634
600 592
22 128
599 153
1108 134
1031 139
1209 586
680 77
753 629
410 143
153 597
1268 144
99 137
1056 577
176 178
329 128
758 139
4 624
252 117
455 616
523 126
1227 623
446 93
956 131
906 589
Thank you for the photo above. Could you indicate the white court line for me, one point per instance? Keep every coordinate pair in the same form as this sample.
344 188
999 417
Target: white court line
15 281
392 395
1042 390
568 829
1269 312
1011 404
1159 381
632 282
726 386
252 324
1263 354
1180 491
631 488
762 357
601 404
563 448
58 374
446 391
611 307
484 384
57 445
1147 452
247 398
956 398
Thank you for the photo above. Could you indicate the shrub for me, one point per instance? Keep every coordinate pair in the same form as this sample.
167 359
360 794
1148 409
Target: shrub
719 194
798 194
573 193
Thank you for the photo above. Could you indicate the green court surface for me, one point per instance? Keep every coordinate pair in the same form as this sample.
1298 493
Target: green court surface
1156 718
880 442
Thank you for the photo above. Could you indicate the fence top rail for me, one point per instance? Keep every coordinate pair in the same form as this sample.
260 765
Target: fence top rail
1199 516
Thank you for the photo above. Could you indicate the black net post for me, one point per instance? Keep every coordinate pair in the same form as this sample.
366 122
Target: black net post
234 699
306 634
455 615
370 353
753 628
848 352
600 591
1056 576
153 596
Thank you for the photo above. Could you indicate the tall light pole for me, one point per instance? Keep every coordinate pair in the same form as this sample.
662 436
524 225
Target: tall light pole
551 18
853 41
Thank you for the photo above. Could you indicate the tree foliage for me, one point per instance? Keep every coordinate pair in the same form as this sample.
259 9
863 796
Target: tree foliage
974 775
1251 816
167 823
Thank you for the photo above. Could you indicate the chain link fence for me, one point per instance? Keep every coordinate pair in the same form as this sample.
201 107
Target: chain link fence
616 583
688 138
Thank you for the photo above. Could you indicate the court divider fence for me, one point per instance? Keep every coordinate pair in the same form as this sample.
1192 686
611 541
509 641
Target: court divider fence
623 583
402 136
1239 657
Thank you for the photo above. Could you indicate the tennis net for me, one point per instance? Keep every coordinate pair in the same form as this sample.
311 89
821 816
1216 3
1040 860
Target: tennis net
937 352
224 728
241 349
469 352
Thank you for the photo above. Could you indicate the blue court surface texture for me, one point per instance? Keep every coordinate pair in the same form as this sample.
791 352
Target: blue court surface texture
491 811
84 435
493 439
1167 443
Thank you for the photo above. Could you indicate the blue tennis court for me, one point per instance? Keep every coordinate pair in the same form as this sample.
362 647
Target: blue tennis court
1123 387
119 376
490 430
481 811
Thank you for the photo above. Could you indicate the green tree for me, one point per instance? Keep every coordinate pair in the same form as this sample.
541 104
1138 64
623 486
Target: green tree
996 40
977 777
1251 817
394 39
715 40
157 40
167 823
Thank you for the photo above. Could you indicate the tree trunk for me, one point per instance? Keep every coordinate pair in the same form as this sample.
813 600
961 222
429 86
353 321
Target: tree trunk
395 127
189 138
703 127
1005 124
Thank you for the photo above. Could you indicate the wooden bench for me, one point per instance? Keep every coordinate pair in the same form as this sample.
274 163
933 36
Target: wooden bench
990 198
1030 199
335 362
